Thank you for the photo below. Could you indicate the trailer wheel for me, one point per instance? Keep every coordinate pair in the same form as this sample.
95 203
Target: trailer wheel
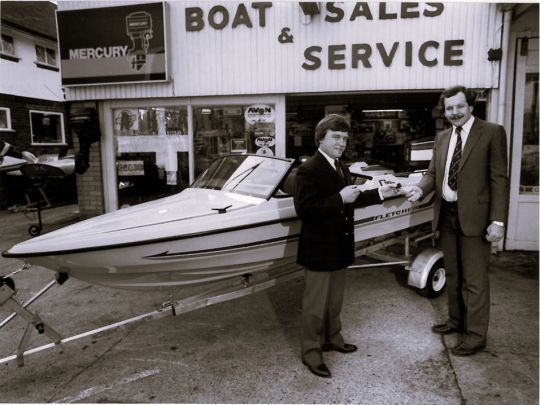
436 280
34 230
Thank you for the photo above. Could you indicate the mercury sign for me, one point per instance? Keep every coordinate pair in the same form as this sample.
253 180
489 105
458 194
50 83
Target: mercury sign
129 47
259 113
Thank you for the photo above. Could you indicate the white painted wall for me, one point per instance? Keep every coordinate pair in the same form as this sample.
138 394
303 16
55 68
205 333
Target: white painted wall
24 78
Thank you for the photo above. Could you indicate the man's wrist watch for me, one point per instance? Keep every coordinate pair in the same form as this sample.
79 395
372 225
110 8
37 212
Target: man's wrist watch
501 224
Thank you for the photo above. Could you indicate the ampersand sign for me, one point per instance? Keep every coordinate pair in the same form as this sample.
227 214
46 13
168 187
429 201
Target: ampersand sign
285 37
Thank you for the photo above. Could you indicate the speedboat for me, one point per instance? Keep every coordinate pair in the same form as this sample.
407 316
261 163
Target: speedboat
237 218
66 163
9 164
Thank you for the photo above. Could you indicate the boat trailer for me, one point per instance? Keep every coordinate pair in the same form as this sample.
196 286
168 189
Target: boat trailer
426 274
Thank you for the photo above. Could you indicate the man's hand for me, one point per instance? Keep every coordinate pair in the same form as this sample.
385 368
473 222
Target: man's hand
494 232
412 193
349 194
390 190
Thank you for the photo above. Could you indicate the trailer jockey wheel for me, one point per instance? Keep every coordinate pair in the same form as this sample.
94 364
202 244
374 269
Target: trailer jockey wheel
7 281
436 280
34 230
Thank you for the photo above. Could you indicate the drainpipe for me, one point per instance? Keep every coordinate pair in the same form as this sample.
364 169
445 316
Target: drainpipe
501 96
507 22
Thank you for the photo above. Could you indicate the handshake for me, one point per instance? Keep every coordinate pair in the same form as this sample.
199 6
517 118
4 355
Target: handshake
390 190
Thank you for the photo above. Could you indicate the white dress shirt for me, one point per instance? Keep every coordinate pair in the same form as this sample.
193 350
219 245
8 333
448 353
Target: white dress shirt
330 160
449 194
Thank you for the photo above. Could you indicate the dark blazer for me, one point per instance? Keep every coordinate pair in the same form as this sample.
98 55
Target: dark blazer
327 234
482 177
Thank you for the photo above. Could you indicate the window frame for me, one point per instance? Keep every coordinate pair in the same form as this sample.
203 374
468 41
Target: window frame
8 120
3 53
62 140
46 63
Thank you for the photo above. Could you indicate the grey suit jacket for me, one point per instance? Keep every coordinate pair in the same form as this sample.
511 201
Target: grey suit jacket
482 177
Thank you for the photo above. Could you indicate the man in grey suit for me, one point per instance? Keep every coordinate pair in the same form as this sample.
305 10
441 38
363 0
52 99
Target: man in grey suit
325 199
468 172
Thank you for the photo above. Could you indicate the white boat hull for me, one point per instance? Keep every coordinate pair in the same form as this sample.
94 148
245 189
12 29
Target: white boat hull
201 235
218 254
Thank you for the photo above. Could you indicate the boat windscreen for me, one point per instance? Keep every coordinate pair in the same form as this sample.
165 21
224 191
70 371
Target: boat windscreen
255 176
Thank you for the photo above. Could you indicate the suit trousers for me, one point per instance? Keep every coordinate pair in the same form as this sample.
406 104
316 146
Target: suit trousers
321 308
466 261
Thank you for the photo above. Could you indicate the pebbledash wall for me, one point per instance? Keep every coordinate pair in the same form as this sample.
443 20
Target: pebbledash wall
225 57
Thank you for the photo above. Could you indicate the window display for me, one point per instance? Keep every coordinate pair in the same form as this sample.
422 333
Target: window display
224 130
151 147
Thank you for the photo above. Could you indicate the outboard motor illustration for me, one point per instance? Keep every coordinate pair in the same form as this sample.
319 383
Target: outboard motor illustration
139 29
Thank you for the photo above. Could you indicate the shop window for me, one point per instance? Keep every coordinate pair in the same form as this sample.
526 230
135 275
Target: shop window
45 57
528 183
5 119
47 128
224 130
151 145
378 136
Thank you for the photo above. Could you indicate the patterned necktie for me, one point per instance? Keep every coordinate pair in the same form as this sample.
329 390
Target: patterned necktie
338 169
454 165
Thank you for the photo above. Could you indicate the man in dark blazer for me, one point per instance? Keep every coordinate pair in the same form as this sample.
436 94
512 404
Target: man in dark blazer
324 200
468 172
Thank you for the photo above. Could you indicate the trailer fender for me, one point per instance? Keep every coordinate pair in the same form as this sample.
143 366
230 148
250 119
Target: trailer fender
421 266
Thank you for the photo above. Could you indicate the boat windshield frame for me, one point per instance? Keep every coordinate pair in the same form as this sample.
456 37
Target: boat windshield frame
247 174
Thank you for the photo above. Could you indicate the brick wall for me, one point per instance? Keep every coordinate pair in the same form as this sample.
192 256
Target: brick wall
13 188
90 184
20 122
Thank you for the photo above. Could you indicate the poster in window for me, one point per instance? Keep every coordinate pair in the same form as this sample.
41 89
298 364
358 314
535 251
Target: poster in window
238 145
126 121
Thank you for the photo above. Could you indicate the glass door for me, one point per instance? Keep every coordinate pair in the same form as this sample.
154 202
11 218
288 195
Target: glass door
522 231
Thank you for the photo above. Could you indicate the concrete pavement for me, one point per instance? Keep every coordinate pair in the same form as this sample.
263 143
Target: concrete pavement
247 350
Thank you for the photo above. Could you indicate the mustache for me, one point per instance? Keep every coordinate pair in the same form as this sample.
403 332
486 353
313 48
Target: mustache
456 116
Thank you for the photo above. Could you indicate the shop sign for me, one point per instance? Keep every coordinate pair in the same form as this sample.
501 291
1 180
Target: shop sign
259 113
107 45
346 46
130 167
341 56
265 144
265 141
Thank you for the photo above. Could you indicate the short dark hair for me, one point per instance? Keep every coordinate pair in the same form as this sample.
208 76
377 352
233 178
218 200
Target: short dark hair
334 122
470 95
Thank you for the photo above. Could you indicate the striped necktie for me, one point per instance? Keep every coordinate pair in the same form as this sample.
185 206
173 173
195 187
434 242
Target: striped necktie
339 170
454 164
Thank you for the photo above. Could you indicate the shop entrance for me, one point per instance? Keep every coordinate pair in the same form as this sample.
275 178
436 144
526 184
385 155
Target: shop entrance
522 233
384 125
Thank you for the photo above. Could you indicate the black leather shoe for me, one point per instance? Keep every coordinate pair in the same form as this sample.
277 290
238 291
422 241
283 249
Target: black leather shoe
347 348
464 350
444 329
320 371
